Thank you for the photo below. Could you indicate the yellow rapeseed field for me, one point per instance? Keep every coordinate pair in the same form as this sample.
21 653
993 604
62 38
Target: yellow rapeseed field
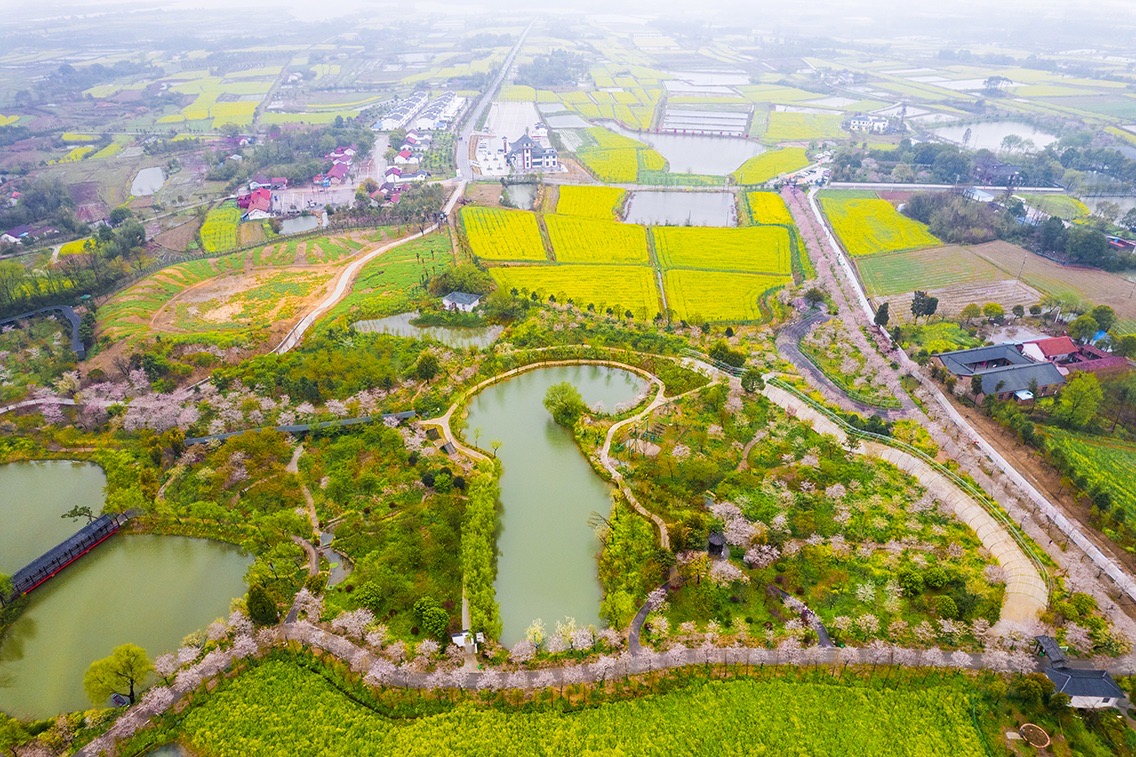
591 202
587 240
620 288
869 225
753 249
701 296
768 208
497 234
771 164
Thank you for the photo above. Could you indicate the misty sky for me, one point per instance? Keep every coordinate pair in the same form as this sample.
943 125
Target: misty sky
1106 24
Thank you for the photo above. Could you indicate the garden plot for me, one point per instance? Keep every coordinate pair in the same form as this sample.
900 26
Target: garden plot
953 299
1072 282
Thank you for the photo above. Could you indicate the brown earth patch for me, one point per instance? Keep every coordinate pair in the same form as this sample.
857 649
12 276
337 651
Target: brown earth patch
179 237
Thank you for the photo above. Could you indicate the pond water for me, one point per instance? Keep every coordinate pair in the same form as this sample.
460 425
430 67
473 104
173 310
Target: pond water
989 134
35 495
522 196
454 336
148 181
547 564
147 590
300 224
677 208
1125 202
694 153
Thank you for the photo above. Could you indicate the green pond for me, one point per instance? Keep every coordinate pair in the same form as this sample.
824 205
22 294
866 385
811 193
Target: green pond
148 590
547 564
35 495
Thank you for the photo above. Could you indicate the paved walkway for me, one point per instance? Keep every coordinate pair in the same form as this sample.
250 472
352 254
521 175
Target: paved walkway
1026 594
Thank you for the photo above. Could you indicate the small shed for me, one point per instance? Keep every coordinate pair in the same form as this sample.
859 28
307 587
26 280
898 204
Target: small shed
1048 647
463 301
717 545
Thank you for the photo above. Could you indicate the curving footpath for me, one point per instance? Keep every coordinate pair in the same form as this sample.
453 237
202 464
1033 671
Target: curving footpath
1026 593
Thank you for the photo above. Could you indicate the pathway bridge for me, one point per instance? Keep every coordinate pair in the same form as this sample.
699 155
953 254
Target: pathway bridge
68 313
50 563
306 427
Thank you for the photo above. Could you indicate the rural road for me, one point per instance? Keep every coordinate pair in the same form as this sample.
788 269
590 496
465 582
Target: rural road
1051 512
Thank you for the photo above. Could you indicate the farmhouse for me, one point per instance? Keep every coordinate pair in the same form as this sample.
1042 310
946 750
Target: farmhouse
440 113
872 124
1005 372
402 113
463 301
1069 356
527 155
28 231
259 205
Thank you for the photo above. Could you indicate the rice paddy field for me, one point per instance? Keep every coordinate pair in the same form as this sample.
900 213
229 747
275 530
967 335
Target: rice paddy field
752 249
769 165
618 287
866 226
587 240
713 296
768 208
601 203
500 234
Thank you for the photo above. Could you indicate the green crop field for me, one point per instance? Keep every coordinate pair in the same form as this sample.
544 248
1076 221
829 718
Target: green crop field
803 127
281 708
496 234
388 284
754 249
586 240
768 208
769 165
700 296
935 268
623 287
1104 464
868 226
1062 206
601 203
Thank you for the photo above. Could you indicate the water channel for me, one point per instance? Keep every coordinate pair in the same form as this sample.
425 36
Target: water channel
547 564
148 590
453 336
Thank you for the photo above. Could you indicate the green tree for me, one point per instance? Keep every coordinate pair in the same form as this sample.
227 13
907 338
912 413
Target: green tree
922 304
976 385
125 668
1083 328
427 366
1125 346
814 296
970 312
1018 310
261 609
993 311
12 734
565 404
1079 401
1104 316
882 316
79 511
752 381
6 588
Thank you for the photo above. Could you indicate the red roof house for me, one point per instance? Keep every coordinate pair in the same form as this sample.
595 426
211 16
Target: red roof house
1053 348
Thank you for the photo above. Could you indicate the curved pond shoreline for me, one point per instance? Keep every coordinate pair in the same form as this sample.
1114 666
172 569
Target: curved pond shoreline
549 490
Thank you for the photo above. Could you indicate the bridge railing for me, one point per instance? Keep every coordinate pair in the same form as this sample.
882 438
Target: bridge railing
66 552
